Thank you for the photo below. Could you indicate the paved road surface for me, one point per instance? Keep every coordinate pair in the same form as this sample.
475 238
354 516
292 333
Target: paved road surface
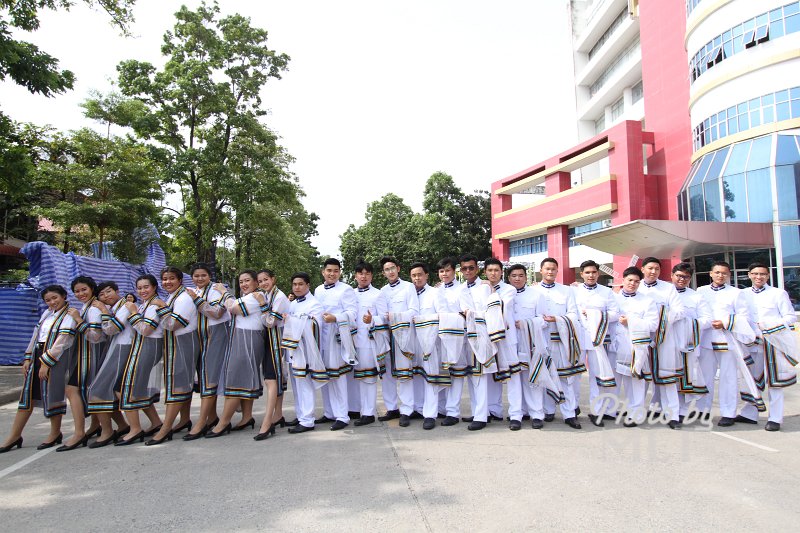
384 477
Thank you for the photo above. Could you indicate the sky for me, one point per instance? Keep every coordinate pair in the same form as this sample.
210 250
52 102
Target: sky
378 96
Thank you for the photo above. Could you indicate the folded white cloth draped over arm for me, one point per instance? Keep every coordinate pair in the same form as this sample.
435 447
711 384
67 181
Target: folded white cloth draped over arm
302 348
597 321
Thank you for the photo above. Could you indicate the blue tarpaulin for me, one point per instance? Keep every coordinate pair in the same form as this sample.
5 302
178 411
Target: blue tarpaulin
48 266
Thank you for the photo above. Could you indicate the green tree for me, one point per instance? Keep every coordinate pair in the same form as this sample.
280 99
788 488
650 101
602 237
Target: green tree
101 188
202 104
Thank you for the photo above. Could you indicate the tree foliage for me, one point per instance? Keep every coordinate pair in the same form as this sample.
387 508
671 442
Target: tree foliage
452 223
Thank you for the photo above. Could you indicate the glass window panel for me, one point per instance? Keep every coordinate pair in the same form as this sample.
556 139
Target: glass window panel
787 153
783 111
749 24
702 169
681 208
788 183
755 118
775 14
794 92
738 159
782 96
697 210
713 207
722 115
790 242
795 108
759 195
735 194
767 99
749 37
703 263
731 112
768 114
762 19
715 169
744 122
733 126
755 103
760 153
792 24
794 7
737 30
776 29
741 108
791 283
723 129
742 258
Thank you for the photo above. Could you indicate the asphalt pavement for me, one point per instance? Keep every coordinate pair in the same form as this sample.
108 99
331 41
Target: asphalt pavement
383 477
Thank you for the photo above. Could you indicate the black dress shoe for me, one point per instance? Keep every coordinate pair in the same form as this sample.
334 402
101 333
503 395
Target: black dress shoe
405 421
299 428
515 425
240 427
609 417
45 445
549 418
537 423
630 424
416 415
572 422
597 421
772 426
577 411
493 418
187 426
674 424
226 430
429 423
292 423
17 443
390 415
195 436
323 420
745 420
681 418
338 425
441 416
466 419
152 431
64 448
364 421
266 434
526 417
353 414
100 443
475 425
726 422
138 437
154 442
449 421
96 432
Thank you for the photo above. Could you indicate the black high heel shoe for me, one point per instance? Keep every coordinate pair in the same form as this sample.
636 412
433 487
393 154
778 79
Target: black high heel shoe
280 422
186 425
225 431
45 445
17 443
95 432
152 431
138 437
153 442
195 436
65 448
121 432
240 427
268 433
100 443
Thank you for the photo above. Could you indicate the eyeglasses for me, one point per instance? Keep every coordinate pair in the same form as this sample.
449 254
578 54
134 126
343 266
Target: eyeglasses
759 274
682 276
468 268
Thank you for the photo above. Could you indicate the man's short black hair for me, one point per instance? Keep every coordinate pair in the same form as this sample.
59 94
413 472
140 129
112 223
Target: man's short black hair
756 264
633 270
648 260
363 266
106 284
302 275
418 264
466 258
492 261
589 263
388 259
446 262
683 267
720 264
548 260
517 267
332 261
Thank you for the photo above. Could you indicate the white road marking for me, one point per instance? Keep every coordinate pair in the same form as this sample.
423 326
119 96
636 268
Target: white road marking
13 468
743 441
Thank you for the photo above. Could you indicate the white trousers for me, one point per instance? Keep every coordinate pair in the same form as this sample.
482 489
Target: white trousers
480 397
304 401
453 397
728 381
419 392
576 388
368 396
668 398
430 407
494 391
516 398
567 408
603 407
353 393
634 393
389 386
775 407
335 394
708 366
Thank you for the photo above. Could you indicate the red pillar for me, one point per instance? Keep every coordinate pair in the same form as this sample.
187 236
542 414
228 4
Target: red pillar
500 203
558 249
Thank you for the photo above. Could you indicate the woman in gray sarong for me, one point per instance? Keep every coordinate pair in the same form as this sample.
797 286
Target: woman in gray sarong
213 321
45 370
140 386
240 380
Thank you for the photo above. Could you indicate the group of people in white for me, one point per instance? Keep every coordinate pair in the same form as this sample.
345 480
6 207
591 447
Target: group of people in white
117 356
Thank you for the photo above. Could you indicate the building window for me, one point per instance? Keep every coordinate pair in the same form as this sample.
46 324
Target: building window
608 33
577 231
617 109
765 27
620 60
600 124
637 92
766 109
736 182
690 5
531 245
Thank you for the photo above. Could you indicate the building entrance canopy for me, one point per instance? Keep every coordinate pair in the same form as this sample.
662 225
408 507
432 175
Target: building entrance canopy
678 238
